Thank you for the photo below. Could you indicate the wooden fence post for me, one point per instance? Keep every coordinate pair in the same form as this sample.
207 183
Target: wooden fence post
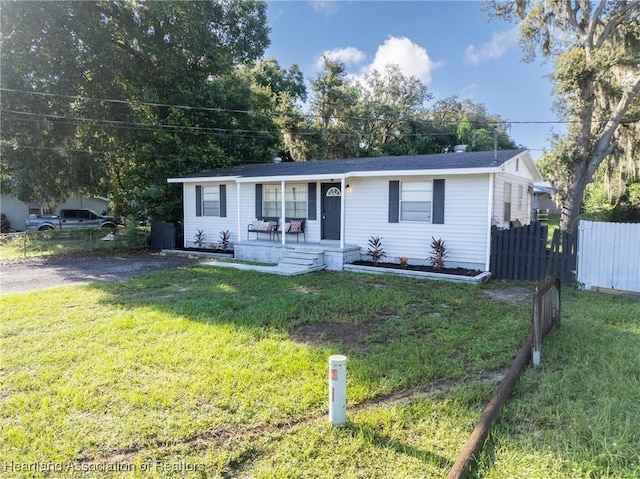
543 296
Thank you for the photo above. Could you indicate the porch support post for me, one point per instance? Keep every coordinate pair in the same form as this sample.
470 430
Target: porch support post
487 258
238 209
342 222
283 202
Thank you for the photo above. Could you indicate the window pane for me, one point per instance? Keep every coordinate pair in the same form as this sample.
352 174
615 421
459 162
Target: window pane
211 200
416 186
415 201
416 195
415 211
296 200
211 208
270 193
296 209
271 208
507 212
507 192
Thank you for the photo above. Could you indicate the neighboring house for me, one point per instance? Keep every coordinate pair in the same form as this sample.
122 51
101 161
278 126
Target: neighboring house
17 211
544 197
405 200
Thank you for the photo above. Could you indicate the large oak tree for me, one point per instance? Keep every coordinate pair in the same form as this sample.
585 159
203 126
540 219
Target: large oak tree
595 47
117 96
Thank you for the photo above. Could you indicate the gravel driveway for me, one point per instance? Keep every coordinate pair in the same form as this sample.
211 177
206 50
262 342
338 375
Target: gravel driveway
38 273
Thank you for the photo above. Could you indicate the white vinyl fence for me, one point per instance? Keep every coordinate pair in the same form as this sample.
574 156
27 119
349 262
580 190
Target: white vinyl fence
609 255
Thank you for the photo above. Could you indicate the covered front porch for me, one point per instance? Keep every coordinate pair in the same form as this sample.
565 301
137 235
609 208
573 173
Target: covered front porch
327 254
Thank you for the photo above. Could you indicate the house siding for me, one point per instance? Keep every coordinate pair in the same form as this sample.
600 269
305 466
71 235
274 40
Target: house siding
465 221
211 225
520 209
517 173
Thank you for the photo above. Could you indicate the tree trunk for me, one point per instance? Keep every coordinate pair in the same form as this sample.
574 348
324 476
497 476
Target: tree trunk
572 204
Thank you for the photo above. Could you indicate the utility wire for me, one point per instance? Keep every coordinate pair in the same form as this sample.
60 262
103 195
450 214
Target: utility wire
252 112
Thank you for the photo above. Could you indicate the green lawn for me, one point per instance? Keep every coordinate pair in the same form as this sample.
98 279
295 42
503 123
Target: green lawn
214 372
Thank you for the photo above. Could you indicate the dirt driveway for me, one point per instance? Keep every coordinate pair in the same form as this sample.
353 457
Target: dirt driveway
38 273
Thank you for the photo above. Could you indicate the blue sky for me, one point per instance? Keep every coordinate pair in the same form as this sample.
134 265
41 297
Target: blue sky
450 45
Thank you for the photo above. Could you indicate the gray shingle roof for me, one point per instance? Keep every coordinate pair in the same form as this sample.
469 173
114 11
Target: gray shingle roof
439 161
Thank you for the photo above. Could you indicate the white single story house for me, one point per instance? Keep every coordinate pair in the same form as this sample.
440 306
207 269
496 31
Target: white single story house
404 200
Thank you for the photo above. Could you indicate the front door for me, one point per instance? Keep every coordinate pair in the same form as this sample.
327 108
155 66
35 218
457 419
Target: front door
331 199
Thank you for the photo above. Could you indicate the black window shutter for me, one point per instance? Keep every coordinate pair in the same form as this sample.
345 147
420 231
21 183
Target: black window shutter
394 201
258 200
438 202
223 201
311 201
198 200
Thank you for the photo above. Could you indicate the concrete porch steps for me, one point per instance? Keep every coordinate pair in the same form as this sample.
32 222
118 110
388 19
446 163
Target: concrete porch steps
304 257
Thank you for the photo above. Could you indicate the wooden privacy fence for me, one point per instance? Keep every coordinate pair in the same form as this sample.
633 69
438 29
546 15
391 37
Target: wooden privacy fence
521 253
609 256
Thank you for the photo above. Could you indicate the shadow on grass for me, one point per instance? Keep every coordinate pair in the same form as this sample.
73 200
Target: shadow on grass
385 442
420 330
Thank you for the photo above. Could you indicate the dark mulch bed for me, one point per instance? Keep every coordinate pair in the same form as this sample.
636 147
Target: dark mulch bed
424 268
207 250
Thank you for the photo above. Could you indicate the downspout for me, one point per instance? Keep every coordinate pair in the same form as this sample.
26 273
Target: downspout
282 211
487 263
342 212
238 209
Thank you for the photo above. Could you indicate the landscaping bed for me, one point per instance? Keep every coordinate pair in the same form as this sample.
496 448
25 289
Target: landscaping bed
461 275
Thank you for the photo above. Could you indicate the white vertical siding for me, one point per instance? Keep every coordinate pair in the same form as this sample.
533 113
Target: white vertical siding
465 220
609 255
211 225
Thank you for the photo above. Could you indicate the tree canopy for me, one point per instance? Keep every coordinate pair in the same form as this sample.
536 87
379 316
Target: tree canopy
595 47
113 97
117 96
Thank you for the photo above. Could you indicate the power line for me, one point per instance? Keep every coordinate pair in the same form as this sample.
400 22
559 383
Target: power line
140 126
252 112
129 102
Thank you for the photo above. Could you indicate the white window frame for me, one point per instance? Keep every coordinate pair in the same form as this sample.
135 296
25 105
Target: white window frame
296 200
211 200
416 201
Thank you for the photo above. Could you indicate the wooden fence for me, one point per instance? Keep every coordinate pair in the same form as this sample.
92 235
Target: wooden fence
547 305
163 235
545 315
521 254
609 256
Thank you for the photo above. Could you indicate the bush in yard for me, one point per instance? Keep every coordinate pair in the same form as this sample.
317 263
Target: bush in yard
438 253
376 251
6 227
225 241
199 238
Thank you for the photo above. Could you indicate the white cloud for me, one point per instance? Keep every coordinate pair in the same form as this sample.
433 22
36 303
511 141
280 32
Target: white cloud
468 91
348 55
412 59
498 45
326 7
